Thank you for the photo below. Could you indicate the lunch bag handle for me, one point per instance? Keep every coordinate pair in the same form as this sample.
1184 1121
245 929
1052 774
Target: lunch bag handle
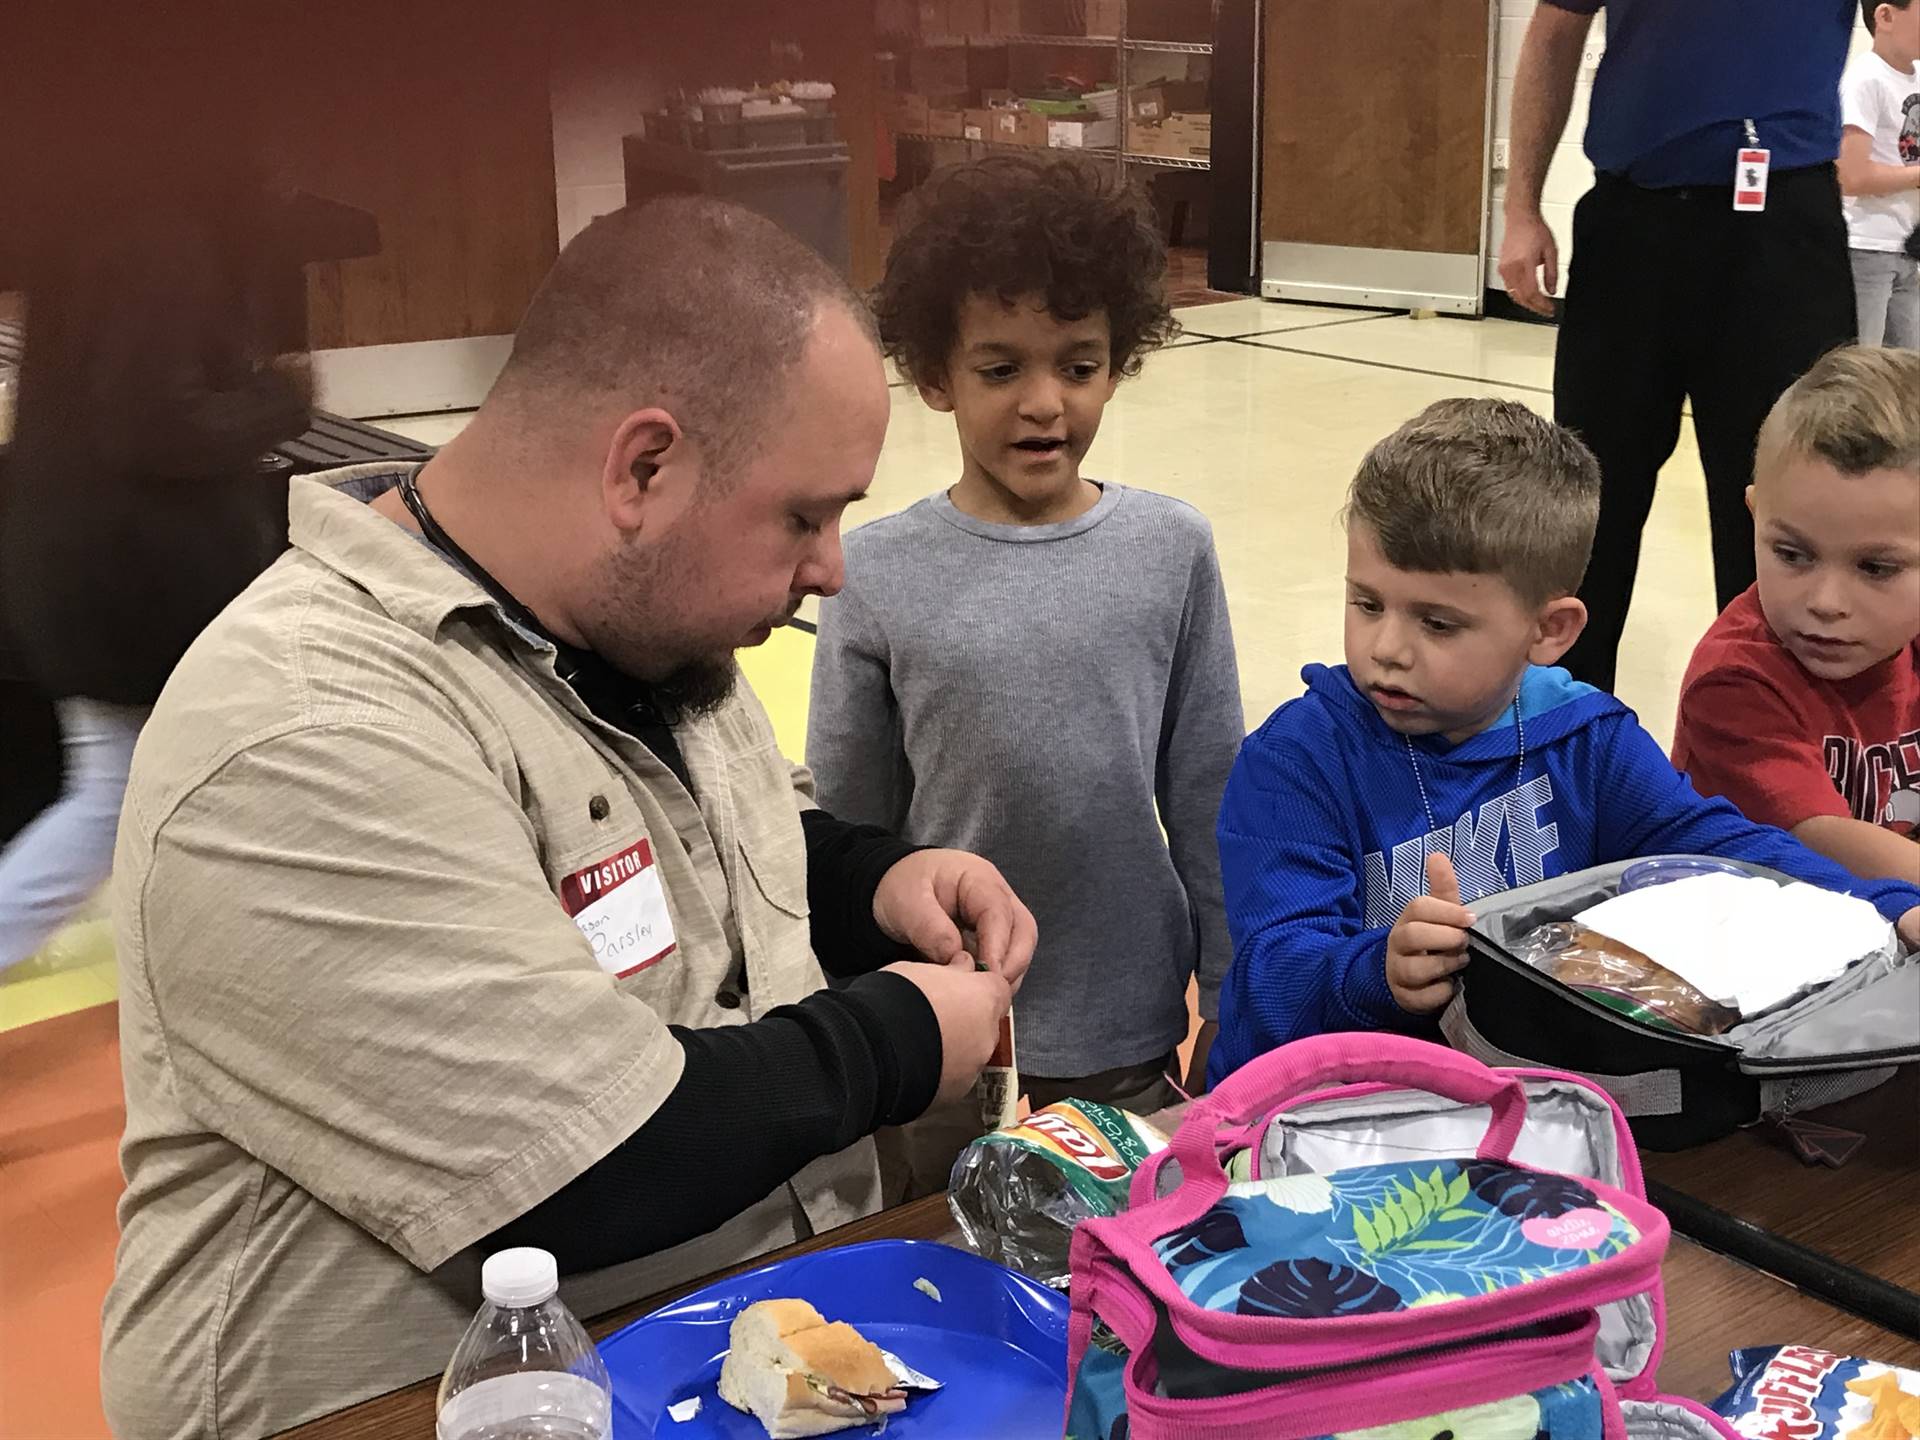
1269 1083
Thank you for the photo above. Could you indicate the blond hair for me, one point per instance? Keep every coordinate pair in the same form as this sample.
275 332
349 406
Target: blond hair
1484 487
1858 409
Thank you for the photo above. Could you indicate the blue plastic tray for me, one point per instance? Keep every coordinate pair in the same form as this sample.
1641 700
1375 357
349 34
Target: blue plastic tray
996 1340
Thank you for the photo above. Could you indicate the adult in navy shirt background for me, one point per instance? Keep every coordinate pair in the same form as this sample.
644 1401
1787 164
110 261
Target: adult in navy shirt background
1673 295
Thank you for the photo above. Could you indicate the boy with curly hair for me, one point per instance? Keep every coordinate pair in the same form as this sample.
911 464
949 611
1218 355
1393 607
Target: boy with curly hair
1032 663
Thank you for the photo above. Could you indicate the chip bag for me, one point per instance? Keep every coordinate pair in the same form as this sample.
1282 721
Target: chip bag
1018 1193
1796 1392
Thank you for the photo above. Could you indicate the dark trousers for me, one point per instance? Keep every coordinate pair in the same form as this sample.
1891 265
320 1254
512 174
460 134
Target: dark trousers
1675 296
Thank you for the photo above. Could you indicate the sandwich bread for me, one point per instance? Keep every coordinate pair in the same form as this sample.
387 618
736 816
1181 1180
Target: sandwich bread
798 1374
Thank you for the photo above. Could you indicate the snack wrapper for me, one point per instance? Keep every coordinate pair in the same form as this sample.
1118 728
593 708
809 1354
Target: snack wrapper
1798 1392
1018 1193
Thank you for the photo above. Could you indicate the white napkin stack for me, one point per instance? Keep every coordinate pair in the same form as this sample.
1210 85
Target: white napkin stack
1742 940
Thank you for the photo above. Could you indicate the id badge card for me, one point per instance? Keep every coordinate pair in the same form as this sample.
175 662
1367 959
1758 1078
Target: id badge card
1750 178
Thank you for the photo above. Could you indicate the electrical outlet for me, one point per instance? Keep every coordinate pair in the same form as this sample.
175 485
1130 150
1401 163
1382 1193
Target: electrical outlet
1500 154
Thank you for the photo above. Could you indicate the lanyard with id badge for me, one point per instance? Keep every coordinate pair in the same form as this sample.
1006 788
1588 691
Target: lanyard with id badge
1750 173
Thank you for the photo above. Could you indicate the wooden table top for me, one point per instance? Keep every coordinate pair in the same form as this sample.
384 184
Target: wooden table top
1714 1305
1863 1216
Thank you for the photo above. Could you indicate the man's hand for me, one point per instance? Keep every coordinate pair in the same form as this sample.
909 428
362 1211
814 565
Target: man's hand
1428 943
1202 1048
930 897
969 1004
1909 928
1527 248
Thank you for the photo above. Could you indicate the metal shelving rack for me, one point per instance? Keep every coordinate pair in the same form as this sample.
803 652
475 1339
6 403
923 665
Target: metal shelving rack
1170 162
1124 46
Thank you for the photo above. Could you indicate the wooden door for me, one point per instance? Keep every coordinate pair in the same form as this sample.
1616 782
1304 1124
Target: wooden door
1374 150
433 116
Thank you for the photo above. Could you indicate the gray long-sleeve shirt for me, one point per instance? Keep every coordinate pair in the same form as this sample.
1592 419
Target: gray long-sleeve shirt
1049 697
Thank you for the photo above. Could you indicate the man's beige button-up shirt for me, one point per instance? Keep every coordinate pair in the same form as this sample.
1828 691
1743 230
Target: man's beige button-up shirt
359 1029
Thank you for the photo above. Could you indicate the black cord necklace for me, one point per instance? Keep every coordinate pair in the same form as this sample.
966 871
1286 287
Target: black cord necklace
593 678
416 504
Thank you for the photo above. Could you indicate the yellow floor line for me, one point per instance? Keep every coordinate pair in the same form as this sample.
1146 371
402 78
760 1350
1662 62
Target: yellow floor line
75 970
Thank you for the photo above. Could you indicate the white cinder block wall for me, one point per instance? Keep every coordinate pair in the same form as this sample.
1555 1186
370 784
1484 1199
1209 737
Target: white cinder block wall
1569 177
593 106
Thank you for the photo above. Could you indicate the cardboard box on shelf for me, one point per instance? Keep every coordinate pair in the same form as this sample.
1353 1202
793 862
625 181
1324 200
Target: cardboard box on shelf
1196 123
1019 127
977 124
1143 138
909 112
1091 133
1147 104
1187 137
1187 96
948 124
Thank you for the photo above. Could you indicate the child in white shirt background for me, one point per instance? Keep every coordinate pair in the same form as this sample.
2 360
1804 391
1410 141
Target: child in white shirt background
1880 173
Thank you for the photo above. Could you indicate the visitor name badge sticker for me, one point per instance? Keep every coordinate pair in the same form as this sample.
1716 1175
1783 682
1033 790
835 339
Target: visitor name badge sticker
621 907
1750 173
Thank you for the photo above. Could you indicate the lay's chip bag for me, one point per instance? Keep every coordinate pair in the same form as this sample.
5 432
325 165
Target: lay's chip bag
1018 1192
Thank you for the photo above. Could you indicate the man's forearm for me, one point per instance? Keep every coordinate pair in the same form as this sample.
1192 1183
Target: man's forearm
1867 850
1542 98
754 1104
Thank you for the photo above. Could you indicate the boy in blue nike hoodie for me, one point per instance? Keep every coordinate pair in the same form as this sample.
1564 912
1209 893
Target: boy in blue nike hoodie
1444 762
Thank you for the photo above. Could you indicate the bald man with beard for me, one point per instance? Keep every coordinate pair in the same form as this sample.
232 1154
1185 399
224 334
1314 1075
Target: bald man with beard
463 897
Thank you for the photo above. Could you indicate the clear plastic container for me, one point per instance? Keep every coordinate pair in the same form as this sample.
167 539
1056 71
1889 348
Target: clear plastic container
526 1368
1674 867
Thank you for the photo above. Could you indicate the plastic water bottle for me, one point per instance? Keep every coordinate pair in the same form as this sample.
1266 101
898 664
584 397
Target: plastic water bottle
525 1369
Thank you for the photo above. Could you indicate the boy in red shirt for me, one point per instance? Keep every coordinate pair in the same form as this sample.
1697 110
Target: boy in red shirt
1802 702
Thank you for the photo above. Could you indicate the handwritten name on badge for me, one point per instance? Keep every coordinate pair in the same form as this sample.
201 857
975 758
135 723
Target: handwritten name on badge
621 907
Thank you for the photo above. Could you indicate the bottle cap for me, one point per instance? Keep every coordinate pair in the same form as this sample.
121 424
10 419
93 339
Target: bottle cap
520 1277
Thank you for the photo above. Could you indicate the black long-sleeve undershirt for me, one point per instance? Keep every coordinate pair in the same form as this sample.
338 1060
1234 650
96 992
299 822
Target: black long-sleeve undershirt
803 1081
755 1103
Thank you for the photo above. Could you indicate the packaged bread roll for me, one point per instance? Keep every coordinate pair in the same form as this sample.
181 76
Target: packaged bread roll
1624 980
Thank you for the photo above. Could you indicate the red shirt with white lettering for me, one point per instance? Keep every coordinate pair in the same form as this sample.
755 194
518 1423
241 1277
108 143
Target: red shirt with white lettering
1786 746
